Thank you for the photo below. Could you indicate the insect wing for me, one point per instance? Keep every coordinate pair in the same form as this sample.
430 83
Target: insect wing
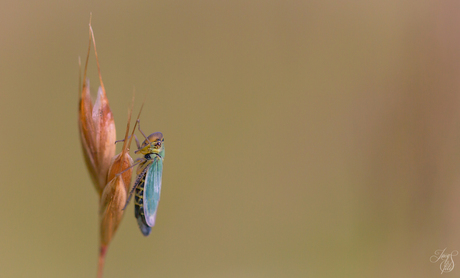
144 228
152 190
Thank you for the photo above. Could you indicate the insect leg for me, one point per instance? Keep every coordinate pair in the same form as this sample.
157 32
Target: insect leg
137 142
136 162
139 127
122 140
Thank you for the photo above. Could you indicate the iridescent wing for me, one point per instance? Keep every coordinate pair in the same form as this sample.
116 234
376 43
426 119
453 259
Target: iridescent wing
152 190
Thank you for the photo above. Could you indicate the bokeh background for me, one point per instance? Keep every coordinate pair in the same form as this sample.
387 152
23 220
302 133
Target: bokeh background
303 138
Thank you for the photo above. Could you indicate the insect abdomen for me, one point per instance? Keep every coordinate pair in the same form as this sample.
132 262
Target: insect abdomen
139 206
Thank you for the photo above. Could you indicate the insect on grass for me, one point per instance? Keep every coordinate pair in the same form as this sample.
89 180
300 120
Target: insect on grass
147 187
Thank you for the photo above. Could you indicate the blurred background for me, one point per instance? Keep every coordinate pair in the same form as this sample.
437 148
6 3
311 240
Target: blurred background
303 138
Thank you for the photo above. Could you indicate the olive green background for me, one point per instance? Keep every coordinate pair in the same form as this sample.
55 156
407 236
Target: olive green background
303 138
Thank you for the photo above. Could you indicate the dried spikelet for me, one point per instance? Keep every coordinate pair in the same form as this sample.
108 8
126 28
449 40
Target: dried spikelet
111 213
111 208
98 135
105 134
86 132
97 128
114 195
120 163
